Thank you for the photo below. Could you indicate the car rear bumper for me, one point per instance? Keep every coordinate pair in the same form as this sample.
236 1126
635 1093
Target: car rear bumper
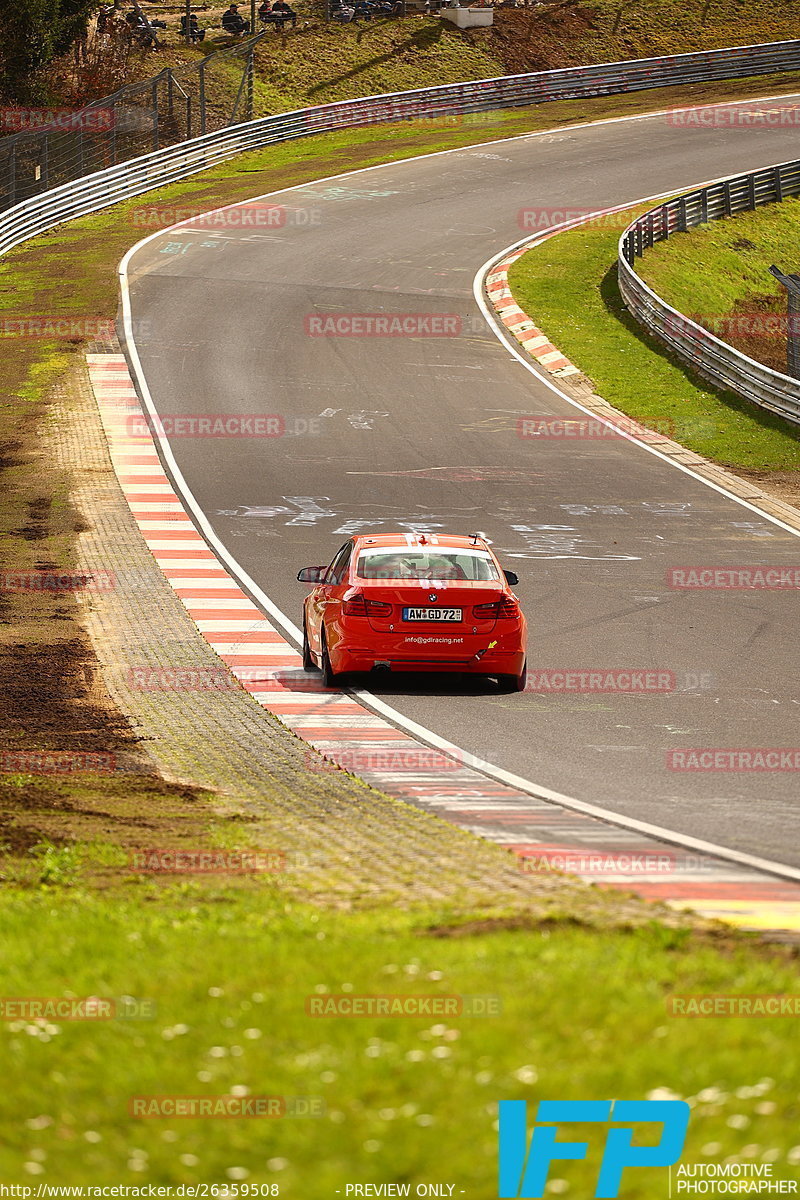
471 655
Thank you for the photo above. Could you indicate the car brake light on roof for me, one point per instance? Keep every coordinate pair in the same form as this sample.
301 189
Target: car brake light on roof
504 607
360 606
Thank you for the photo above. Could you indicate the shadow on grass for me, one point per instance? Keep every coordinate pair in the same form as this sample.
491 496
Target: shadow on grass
424 40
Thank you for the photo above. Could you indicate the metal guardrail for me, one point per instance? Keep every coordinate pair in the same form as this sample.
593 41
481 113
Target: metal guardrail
120 168
711 357
117 181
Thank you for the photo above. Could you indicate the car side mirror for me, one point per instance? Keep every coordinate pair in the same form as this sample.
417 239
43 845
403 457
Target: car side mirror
312 574
511 578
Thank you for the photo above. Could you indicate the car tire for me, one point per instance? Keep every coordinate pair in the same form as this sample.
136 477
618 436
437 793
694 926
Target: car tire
308 661
329 677
513 683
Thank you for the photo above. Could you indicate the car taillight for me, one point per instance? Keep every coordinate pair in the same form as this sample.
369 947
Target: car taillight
355 607
506 606
376 608
360 606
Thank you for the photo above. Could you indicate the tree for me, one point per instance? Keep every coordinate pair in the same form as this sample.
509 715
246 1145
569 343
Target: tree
32 34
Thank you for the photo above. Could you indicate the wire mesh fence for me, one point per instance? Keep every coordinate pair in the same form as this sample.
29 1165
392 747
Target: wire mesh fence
174 106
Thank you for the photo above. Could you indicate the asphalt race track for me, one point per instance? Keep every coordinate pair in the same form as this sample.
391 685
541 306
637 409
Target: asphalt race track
421 433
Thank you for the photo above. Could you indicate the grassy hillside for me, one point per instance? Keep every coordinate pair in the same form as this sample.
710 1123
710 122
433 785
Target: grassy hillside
318 63
342 61
563 34
325 63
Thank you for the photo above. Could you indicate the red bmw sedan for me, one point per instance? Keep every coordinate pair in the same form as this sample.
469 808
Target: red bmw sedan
414 602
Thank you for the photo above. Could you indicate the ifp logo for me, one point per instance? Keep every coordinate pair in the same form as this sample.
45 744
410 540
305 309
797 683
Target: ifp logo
524 1170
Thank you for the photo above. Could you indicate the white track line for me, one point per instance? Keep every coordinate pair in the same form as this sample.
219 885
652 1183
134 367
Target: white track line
291 630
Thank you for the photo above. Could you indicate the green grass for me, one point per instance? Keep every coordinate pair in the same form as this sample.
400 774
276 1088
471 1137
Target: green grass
406 1099
569 286
719 274
711 269
611 30
330 63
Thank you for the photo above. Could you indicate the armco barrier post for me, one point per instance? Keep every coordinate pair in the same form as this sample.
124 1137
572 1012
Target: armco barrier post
44 162
792 285
793 334
154 102
202 94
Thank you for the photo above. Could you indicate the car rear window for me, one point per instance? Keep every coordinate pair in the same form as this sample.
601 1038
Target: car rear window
433 563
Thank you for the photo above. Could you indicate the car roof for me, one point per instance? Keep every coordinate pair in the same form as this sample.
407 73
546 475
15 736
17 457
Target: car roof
404 541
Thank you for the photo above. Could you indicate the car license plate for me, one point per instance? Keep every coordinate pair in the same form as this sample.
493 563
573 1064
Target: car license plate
432 614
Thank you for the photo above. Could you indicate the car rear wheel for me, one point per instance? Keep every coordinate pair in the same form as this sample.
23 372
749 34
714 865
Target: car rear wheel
308 661
329 677
513 683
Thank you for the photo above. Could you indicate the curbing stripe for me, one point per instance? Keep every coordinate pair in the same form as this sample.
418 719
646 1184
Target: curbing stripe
519 324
